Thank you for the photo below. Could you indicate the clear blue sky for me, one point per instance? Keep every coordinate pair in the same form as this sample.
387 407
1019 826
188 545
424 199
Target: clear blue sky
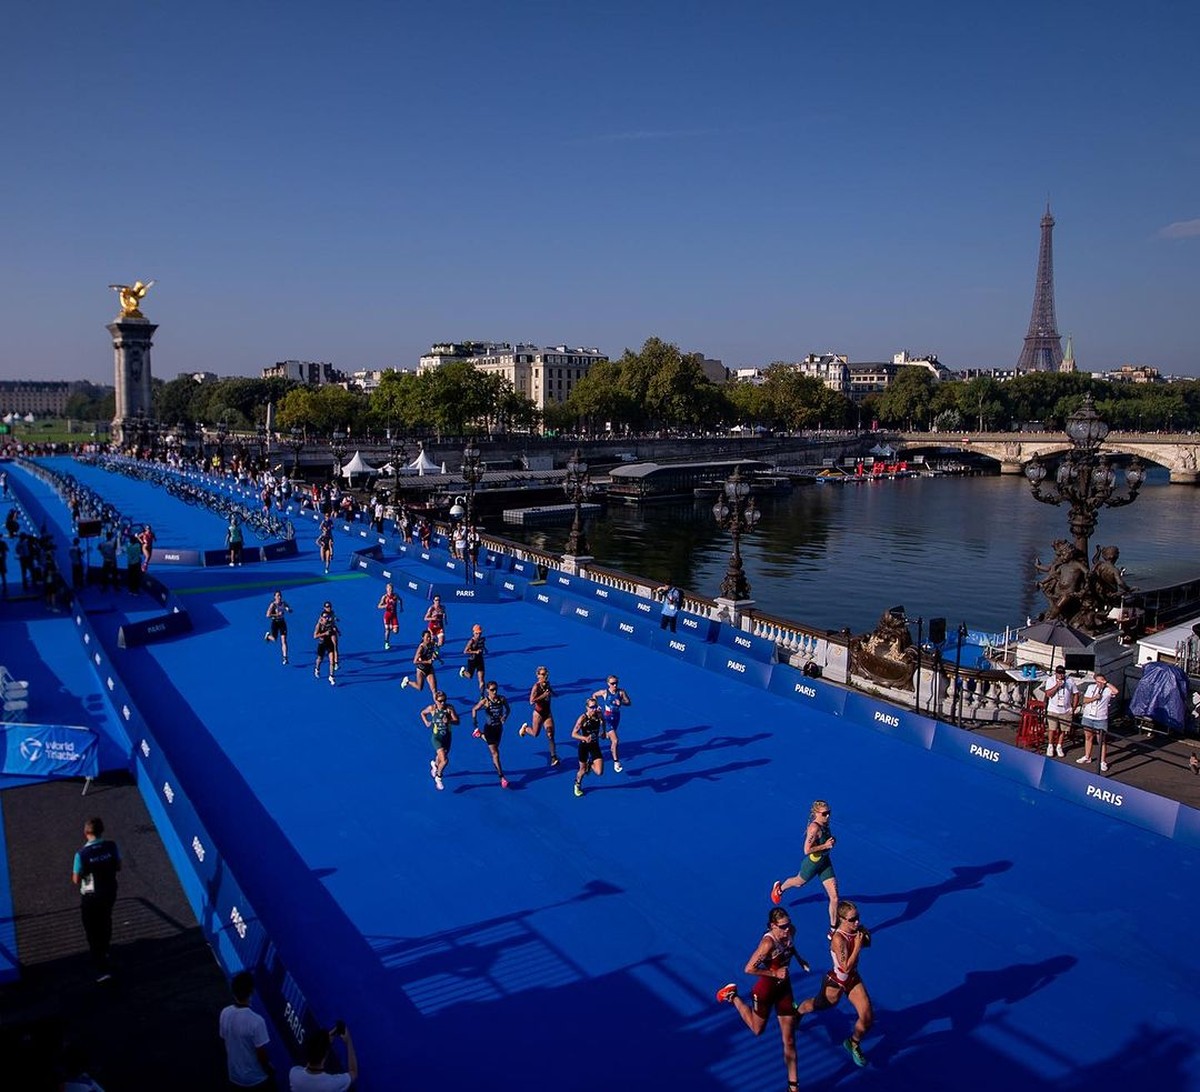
353 181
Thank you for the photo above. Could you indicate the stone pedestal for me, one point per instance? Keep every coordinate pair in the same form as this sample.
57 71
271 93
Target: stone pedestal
575 563
731 610
132 338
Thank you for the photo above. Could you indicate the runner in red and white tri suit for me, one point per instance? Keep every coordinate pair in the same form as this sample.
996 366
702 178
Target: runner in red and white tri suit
773 987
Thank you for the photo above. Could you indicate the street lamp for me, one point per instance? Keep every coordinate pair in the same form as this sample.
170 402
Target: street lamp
295 442
337 445
736 513
577 486
396 453
1084 478
472 472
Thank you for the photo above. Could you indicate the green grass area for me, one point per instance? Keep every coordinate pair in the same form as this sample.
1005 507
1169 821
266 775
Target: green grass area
50 430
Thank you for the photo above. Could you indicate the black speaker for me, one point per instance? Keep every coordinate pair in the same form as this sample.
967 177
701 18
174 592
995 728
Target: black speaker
1079 661
937 630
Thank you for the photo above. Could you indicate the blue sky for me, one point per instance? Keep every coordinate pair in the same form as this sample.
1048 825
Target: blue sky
352 182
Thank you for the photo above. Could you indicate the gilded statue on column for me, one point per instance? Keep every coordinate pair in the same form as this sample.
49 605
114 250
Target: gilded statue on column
131 295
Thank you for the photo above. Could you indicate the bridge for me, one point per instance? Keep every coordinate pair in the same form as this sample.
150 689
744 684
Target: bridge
1179 453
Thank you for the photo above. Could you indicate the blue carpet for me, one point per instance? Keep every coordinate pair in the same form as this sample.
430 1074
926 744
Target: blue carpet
515 937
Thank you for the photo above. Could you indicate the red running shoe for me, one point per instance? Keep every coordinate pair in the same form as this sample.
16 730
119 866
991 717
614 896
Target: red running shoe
727 993
777 892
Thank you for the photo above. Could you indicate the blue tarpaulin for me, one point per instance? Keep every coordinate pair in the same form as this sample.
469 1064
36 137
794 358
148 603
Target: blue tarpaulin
1162 696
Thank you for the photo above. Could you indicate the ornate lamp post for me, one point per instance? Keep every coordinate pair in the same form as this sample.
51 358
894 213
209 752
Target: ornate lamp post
396 453
1086 482
337 445
1084 478
736 513
577 486
472 472
295 442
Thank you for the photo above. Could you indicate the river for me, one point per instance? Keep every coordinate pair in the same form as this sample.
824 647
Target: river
834 556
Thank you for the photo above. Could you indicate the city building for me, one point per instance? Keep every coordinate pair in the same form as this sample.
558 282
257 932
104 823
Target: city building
42 398
543 375
1135 373
314 373
832 369
365 379
1068 360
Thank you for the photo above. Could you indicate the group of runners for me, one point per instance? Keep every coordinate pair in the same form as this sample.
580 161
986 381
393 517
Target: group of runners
771 960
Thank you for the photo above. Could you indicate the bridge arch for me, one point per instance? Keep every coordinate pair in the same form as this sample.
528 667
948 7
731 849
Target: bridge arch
1180 455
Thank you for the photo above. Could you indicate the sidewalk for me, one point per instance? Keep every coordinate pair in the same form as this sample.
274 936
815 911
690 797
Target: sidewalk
155 1025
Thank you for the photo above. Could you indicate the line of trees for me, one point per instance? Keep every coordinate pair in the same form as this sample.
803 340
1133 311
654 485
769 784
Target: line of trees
658 387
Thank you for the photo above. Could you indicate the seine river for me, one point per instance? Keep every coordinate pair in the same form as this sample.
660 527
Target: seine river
834 556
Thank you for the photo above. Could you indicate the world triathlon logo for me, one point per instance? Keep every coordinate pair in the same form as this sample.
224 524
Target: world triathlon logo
31 749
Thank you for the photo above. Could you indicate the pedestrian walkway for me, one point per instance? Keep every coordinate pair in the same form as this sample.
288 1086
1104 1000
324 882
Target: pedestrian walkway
467 935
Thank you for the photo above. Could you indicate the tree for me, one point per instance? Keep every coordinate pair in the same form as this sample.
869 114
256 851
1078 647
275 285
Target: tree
906 402
981 400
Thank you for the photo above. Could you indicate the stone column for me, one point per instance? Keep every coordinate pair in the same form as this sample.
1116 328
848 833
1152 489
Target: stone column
132 338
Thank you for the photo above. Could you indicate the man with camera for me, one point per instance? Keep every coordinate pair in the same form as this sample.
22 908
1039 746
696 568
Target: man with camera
312 1076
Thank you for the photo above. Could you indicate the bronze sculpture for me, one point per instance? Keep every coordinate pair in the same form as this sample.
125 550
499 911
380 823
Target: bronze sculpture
887 656
131 295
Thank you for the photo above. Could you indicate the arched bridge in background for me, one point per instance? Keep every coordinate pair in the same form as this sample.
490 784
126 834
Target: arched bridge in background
1179 454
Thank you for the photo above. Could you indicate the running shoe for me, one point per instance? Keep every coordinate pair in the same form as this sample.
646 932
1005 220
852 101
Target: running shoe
433 767
404 683
727 993
855 1052
331 682
504 782
1104 767
386 645
1058 750
1049 750
462 673
267 636
554 760
285 661
441 785
1082 760
477 734
618 767
578 789
777 892
523 729
316 672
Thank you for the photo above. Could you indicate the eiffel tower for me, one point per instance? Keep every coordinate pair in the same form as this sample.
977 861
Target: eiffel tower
1043 345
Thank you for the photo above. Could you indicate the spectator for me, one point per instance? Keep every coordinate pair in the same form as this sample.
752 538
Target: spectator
94 872
1094 707
75 553
1062 699
133 565
312 1076
672 599
245 1034
108 561
234 541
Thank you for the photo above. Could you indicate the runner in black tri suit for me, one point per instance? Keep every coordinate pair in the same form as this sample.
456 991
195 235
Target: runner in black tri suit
539 698
496 710
587 731
277 612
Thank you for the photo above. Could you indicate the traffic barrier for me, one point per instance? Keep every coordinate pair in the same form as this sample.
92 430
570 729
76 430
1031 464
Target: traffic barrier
135 634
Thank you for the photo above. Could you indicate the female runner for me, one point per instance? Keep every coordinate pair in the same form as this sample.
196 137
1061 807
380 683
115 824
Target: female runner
818 841
539 698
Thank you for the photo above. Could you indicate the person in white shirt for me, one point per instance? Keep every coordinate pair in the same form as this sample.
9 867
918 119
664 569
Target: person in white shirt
312 1076
1094 708
1062 698
246 1038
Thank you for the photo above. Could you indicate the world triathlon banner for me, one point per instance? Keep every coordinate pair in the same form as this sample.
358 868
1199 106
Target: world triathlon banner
50 750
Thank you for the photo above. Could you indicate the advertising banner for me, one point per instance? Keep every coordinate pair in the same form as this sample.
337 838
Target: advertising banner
703 629
591 613
682 648
818 696
1094 791
50 750
728 661
466 593
612 598
757 648
641 630
1187 826
999 758
891 719
175 557
542 596
149 630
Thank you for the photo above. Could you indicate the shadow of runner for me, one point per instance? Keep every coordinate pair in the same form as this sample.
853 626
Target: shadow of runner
921 899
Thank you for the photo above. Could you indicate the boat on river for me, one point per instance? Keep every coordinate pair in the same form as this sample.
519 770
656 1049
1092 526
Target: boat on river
643 483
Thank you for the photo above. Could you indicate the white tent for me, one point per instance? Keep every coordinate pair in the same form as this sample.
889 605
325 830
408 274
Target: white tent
357 465
423 464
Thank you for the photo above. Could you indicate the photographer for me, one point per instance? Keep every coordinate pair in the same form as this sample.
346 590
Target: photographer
312 1077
